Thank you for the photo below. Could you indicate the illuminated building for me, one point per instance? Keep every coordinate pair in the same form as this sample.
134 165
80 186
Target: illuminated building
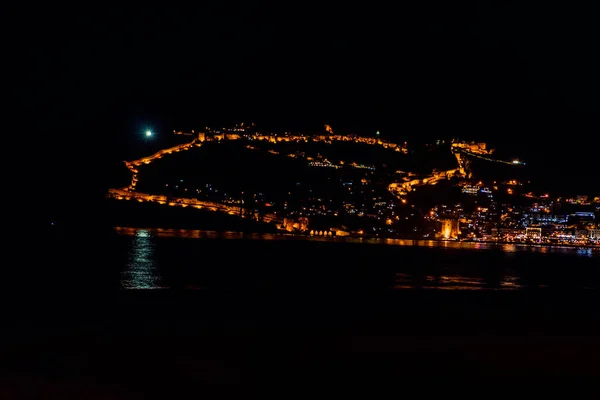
293 225
582 199
470 189
533 232
450 229
322 164
340 232
581 218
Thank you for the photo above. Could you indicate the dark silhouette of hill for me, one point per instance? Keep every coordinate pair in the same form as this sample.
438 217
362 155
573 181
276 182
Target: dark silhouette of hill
231 168
423 159
496 171
336 152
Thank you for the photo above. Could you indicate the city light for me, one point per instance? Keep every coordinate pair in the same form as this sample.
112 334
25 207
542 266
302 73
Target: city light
532 223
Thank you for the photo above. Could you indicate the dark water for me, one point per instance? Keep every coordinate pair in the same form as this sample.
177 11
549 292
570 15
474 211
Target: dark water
165 314
193 259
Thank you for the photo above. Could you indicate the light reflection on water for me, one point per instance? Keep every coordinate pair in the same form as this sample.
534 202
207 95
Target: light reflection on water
455 282
140 271
143 270
505 247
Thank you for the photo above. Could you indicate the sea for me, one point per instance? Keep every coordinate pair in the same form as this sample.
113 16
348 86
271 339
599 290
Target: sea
196 260
145 313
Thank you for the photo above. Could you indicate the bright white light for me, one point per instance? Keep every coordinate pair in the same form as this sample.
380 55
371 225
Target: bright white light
148 133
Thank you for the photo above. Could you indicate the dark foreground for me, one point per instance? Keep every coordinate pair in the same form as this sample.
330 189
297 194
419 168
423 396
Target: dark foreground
161 345
299 340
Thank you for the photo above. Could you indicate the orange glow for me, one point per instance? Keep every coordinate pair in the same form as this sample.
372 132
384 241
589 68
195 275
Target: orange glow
447 233
399 189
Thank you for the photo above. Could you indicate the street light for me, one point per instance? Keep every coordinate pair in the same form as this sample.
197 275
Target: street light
148 133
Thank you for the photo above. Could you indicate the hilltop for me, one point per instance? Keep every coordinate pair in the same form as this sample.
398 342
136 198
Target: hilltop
322 183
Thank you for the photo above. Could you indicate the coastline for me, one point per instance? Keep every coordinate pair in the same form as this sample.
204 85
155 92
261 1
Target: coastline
587 246
195 232
136 215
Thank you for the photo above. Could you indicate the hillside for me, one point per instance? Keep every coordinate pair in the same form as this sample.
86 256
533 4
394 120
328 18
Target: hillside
328 182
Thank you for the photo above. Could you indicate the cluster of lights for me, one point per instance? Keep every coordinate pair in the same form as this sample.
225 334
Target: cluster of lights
399 189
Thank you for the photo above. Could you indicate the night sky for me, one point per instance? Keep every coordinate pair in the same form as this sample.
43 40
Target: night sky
524 78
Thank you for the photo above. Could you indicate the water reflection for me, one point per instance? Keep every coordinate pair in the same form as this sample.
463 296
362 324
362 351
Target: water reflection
236 259
141 271
585 252
509 248
455 282
505 247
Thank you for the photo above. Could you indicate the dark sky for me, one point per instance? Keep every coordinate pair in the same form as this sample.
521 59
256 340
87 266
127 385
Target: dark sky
513 76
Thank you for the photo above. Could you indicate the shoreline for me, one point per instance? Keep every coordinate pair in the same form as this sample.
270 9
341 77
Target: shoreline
351 237
587 246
